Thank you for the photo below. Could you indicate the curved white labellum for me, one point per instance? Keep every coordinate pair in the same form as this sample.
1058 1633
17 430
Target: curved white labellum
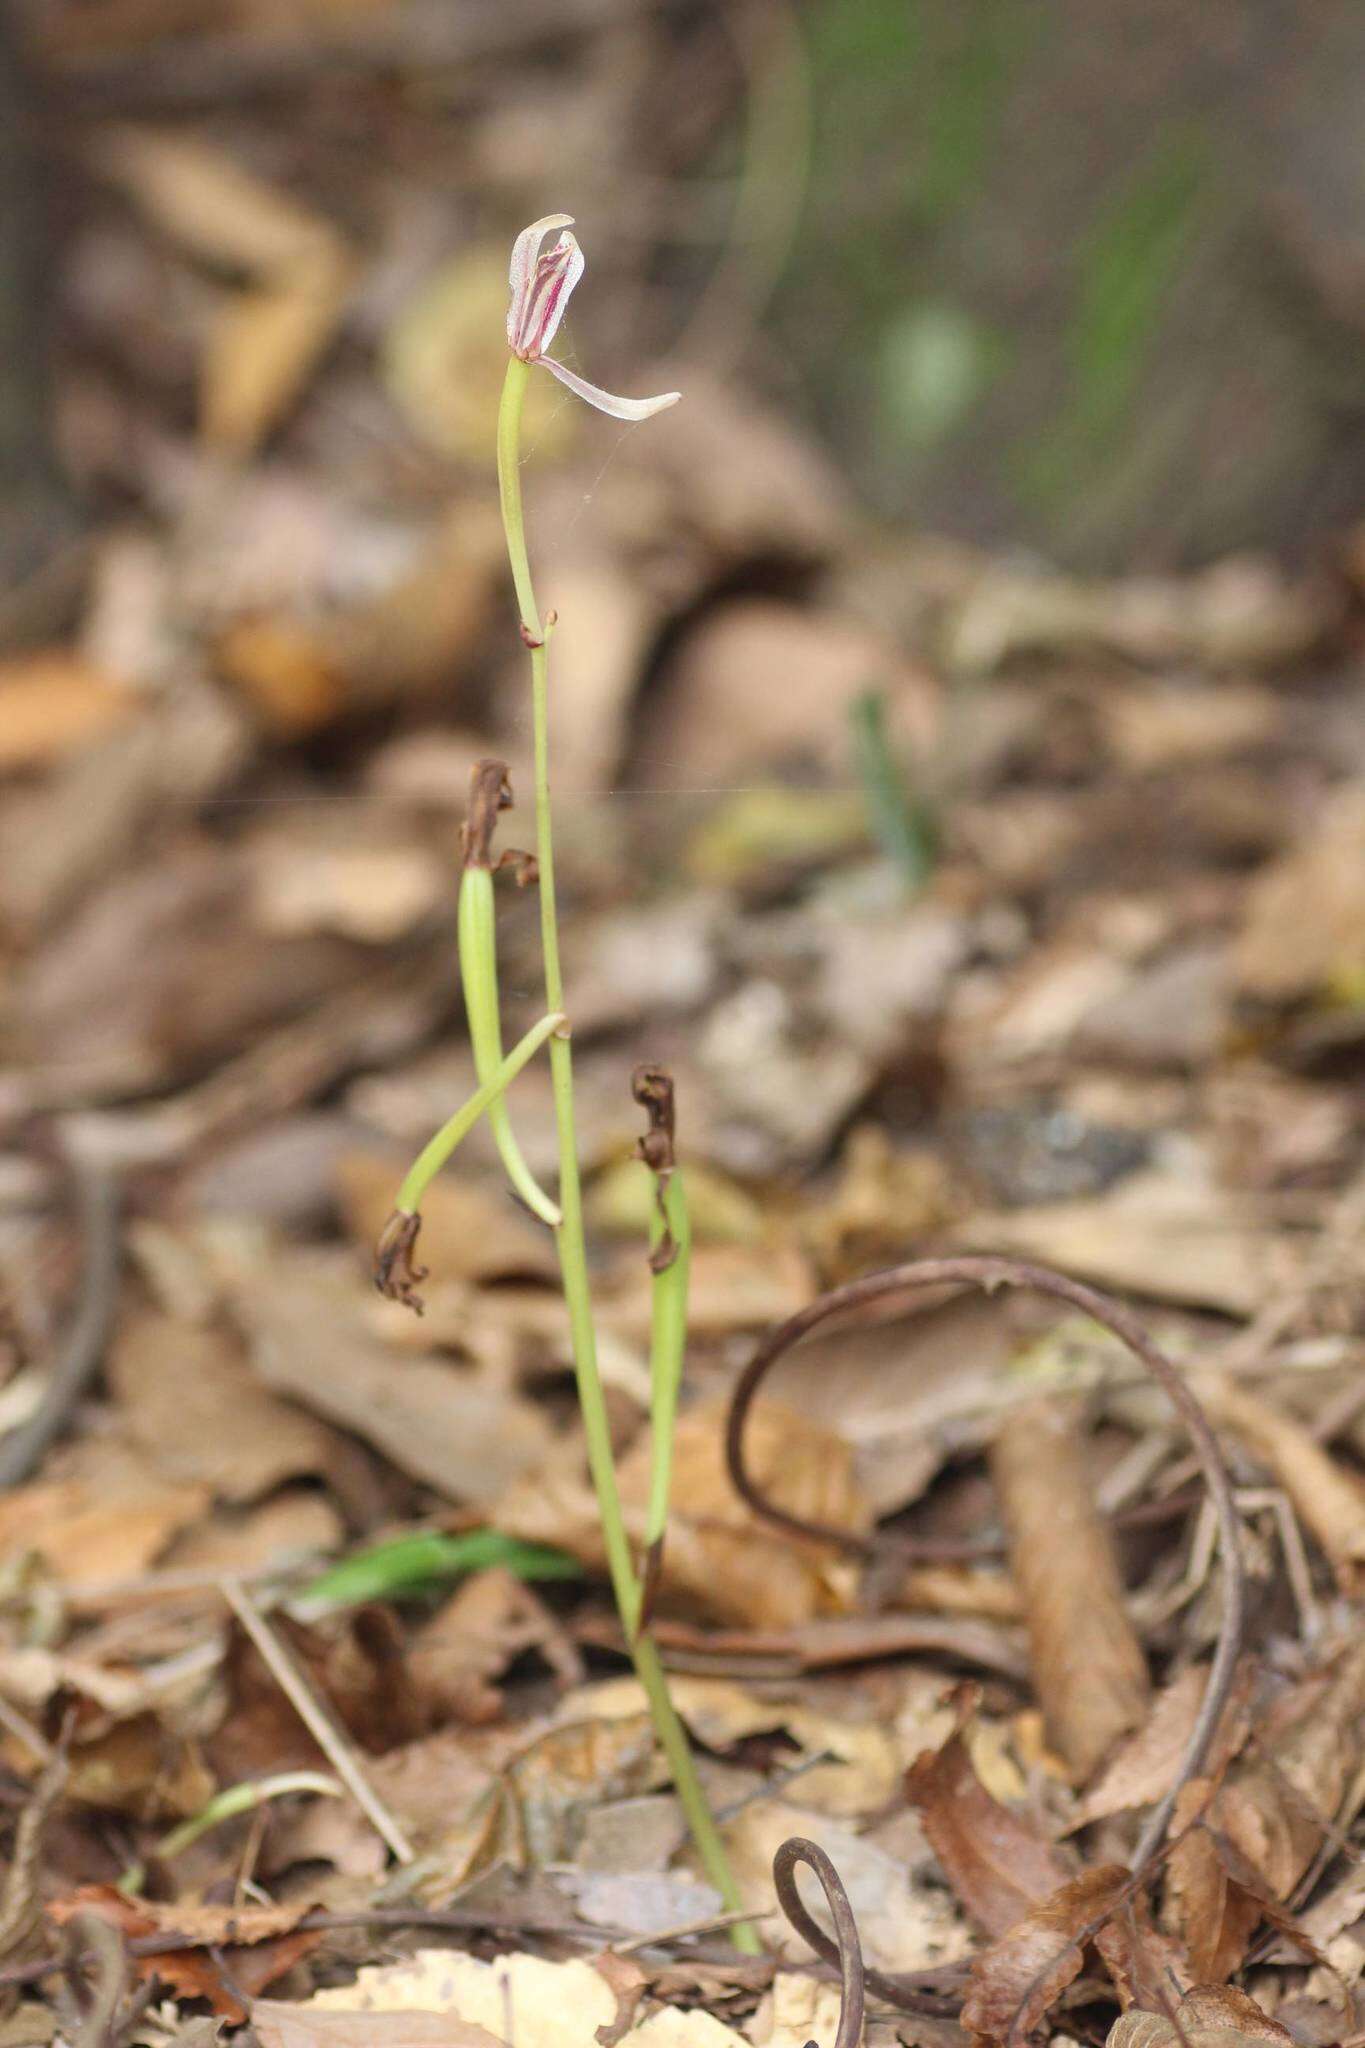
541 289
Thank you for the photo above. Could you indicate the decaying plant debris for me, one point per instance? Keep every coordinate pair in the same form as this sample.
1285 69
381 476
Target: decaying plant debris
984 948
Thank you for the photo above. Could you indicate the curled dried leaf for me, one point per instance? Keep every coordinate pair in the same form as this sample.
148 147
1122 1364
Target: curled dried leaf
1022 1975
996 1863
395 1273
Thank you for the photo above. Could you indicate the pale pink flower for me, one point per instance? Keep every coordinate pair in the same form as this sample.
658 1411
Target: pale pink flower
541 286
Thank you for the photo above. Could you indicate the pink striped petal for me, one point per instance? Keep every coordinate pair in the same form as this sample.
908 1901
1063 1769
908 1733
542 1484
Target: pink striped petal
619 408
525 253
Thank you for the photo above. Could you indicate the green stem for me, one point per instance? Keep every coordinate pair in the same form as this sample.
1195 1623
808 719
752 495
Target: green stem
572 1242
667 1343
434 1155
478 944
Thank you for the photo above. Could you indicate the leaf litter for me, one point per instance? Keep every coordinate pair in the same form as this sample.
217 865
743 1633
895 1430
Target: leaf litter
1118 1028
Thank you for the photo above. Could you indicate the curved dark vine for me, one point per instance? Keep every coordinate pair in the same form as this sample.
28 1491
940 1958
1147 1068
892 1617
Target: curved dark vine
991 1273
935 1991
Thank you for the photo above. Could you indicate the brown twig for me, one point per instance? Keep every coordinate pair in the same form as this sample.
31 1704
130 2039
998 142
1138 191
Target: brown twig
318 1723
991 1273
852 1977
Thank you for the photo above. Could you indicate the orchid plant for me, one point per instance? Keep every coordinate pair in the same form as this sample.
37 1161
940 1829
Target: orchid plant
542 282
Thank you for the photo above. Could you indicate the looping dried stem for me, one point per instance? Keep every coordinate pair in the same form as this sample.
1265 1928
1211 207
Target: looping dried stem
991 1273
796 1849
933 1991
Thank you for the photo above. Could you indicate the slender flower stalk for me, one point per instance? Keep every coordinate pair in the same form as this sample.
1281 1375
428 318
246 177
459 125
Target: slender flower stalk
540 287
437 1151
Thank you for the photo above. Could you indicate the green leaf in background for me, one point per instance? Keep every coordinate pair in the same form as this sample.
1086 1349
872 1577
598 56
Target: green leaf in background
934 363
412 1565
902 825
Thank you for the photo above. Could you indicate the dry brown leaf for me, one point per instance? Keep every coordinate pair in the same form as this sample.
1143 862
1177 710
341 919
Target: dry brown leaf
86 1538
286 670
464 1435
752 686
208 203
1325 1496
455 1657
1272 1812
1208 2016
997 1864
368 880
1021 1975
1213 1916
262 347
193 1405
1158 1235
860 1778
517 1998
52 702
1305 915
719 1559
1088 1667
257 1943
1143 1769
1143 1960
282 2025
719 1555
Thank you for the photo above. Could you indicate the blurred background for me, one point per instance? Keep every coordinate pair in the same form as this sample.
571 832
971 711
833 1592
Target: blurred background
958 697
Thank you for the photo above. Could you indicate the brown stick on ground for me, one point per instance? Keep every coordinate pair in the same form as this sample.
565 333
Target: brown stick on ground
1088 1668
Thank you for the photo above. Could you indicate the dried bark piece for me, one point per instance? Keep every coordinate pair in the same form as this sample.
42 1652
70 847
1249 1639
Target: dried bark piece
1088 1667
1020 1976
995 1862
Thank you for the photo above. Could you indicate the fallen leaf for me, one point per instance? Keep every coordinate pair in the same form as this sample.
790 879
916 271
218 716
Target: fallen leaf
1304 917
285 668
1272 1811
204 198
997 1864
1088 1666
1325 1495
281 2025
751 686
1142 1770
262 346
456 1656
193 1405
721 1556
257 1943
86 1536
368 884
467 1437
518 1998
1157 1235
863 1766
1021 1975
53 702
1208 2016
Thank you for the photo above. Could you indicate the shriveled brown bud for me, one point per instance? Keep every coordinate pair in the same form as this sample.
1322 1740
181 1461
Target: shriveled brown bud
395 1273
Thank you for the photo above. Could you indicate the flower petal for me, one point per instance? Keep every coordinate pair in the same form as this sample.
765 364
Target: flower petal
619 408
525 251
550 291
